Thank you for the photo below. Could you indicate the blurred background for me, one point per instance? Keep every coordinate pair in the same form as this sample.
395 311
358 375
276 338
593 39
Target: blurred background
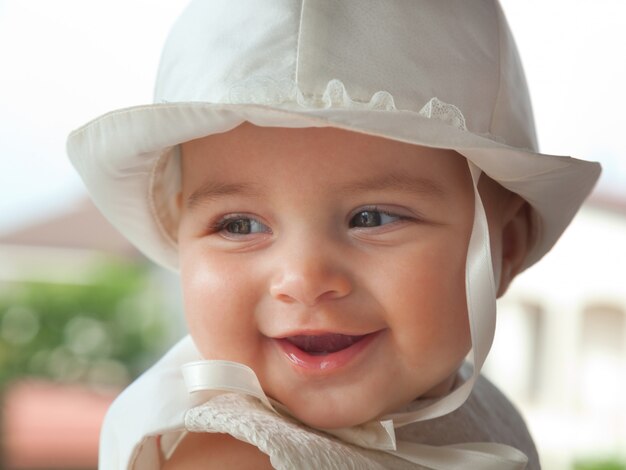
82 312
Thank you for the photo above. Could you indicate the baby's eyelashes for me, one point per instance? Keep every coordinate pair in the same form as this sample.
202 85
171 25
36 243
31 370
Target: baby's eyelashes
243 226
373 218
239 225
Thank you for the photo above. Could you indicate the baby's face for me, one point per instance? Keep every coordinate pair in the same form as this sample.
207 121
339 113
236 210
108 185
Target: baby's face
331 263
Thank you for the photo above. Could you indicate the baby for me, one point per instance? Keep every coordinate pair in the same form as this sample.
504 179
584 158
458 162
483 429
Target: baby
345 188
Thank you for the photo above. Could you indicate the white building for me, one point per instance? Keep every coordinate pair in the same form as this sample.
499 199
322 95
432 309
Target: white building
560 347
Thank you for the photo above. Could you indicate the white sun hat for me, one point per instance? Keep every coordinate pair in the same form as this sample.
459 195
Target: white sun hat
442 74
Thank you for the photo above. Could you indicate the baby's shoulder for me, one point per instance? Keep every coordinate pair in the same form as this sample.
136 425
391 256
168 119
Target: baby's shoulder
216 451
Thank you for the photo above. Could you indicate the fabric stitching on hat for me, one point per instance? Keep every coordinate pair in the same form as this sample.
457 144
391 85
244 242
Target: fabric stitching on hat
129 110
296 77
153 207
497 98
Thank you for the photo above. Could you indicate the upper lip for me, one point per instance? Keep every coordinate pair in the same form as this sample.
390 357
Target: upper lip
323 343
321 333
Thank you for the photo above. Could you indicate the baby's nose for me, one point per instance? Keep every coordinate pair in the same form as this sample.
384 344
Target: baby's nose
310 277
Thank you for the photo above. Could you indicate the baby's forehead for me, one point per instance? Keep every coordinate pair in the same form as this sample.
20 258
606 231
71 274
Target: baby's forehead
250 137
249 157
316 149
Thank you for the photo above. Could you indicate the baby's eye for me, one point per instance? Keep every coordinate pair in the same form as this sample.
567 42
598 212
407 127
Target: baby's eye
241 226
372 218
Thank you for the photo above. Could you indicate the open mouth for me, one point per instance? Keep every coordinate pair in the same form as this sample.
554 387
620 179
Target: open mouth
324 353
321 345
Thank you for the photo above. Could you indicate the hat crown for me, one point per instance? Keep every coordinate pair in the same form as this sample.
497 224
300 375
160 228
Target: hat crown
260 51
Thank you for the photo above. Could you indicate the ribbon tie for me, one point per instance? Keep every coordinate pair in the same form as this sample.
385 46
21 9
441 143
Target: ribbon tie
206 379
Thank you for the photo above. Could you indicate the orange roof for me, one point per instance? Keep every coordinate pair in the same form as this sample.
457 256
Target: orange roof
78 226
47 425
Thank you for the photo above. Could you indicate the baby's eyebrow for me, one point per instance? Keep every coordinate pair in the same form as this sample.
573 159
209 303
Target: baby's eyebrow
211 190
397 182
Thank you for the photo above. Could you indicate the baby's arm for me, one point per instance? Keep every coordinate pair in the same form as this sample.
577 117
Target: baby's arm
216 451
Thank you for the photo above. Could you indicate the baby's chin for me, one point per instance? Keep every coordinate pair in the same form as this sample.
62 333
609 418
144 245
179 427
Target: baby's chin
336 412
329 409
330 419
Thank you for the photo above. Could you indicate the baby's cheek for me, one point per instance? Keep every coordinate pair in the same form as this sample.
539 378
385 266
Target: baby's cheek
216 311
433 324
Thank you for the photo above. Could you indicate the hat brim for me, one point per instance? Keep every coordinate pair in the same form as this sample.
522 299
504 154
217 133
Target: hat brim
120 157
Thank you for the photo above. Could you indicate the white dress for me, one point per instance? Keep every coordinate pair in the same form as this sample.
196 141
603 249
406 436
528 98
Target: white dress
146 422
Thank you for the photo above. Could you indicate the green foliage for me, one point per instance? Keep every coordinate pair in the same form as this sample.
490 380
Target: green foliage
103 331
604 464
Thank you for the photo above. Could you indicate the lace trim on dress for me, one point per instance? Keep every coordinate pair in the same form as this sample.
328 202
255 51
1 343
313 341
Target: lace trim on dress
288 443
267 91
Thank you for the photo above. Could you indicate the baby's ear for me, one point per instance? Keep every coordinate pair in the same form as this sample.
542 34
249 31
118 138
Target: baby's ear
516 236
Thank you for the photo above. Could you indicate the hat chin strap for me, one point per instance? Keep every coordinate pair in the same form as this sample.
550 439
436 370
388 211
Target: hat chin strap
480 292
205 379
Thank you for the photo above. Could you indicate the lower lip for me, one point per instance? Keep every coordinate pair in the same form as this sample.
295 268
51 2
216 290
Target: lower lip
327 362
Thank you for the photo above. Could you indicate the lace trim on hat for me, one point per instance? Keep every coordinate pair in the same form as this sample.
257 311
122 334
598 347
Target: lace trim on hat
448 113
267 91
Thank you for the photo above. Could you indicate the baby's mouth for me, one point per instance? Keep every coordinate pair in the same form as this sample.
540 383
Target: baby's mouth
321 345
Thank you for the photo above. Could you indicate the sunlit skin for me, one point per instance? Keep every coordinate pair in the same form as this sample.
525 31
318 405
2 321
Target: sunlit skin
320 230
306 266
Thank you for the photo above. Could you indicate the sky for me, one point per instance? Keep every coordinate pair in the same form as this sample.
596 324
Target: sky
65 62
